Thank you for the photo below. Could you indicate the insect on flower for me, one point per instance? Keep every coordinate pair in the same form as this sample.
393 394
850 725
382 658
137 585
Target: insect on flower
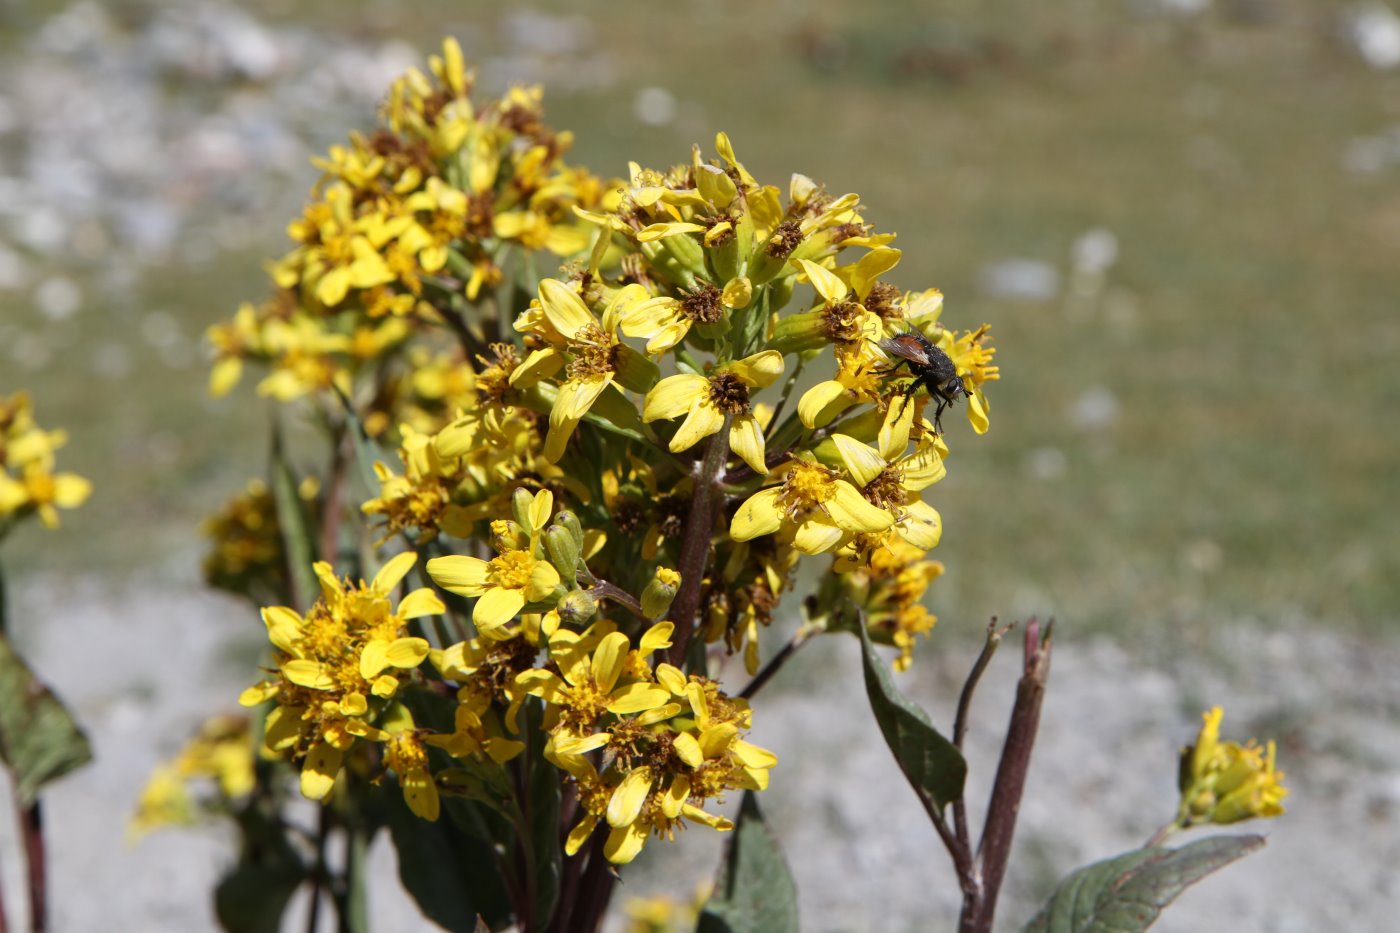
933 369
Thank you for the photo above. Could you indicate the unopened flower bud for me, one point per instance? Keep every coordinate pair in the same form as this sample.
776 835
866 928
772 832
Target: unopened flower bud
577 607
563 550
656 598
520 502
506 535
570 521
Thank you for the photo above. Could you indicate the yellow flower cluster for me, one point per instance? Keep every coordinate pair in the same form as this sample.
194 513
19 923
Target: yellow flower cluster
28 483
221 752
610 466
1226 782
339 668
407 227
247 555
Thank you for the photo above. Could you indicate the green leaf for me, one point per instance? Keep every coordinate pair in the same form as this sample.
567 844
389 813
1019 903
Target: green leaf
755 892
253 896
298 538
39 740
453 876
1127 893
933 766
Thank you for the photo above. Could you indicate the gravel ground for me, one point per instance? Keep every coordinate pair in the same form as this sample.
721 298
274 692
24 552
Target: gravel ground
144 661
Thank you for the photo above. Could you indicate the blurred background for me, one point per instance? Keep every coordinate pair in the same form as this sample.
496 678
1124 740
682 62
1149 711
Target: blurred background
1181 217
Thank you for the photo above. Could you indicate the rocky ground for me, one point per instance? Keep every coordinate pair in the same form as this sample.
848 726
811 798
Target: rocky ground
144 662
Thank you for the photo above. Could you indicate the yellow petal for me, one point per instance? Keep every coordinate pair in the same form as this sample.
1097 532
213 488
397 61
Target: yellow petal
921 525
746 440
543 579
496 607
817 536
923 469
656 638
257 693
688 749
224 376
625 844
759 515
849 510
308 674
465 576
608 660
579 834
283 628
824 281
421 602
977 412
753 756
541 507
421 794
823 402
576 397
540 364
319 772
405 653
760 370
671 678
716 739
692 812
894 430
673 396
374 658
863 463
702 421
563 307
673 801
637 698
70 490
391 573
627 801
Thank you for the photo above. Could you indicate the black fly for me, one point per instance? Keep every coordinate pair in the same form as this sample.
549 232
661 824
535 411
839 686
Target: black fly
932 369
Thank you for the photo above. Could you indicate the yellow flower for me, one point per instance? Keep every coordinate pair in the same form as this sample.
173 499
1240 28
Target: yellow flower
405 755
887 477
591 681
348 648
666 321
505 584
592 357
813 504
1225 782
706 401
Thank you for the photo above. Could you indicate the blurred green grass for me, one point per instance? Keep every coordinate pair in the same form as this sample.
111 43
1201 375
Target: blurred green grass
1247 333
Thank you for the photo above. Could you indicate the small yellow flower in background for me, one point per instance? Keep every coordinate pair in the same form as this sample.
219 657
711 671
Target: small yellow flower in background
707 401
336 664
662 914
28 483
220 753
1226 782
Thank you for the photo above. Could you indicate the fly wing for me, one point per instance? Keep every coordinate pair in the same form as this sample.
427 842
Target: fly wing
906 347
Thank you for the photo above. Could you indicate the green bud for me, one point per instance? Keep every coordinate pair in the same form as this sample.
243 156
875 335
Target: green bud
520 502
570 521
686 252
577 607
657 597
797 332
562 549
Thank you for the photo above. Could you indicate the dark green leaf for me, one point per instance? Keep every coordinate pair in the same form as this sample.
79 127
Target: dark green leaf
1126 894
932 764
298 537
39 739
755 892
253 896
452 876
